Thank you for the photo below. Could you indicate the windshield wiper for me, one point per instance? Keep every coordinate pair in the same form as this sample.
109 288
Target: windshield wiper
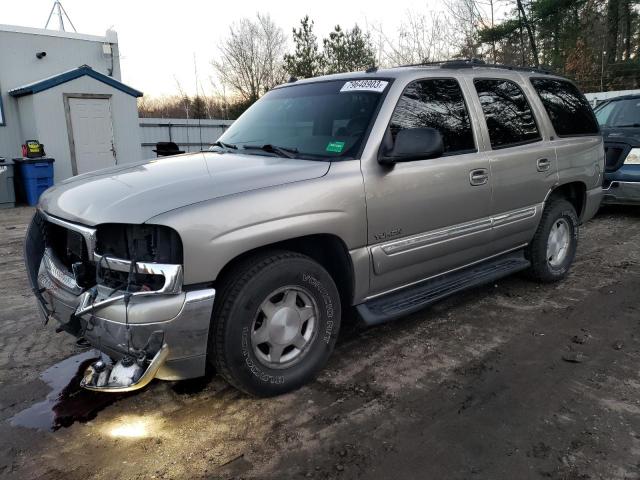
280 151
228 146
627 125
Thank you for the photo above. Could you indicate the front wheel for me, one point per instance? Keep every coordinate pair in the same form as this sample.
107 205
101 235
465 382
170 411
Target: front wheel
554 245
275 324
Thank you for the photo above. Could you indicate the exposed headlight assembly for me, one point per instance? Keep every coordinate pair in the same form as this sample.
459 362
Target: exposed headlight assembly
633 158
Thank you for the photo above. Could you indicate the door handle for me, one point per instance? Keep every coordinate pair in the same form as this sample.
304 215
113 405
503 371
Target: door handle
543 164
478 177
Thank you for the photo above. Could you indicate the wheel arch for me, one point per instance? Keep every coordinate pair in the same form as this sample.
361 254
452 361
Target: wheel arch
328 250
574 192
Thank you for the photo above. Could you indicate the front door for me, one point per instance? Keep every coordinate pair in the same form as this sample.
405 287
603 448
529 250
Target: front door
429 216
92 130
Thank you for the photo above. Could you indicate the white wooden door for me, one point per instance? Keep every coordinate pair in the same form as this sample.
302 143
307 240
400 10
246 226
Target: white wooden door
92 133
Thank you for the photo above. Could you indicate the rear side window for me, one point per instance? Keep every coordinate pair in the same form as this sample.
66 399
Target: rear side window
439 104
509 117
569 111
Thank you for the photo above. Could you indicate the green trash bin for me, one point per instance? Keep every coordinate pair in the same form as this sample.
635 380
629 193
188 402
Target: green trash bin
7 192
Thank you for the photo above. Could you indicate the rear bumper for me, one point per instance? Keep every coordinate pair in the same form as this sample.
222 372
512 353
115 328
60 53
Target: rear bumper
622 193
169 326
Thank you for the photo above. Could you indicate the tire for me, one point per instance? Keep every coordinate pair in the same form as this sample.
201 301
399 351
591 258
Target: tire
278 297
558 215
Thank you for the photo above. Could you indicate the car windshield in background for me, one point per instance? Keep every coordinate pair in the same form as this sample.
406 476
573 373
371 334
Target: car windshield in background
323 120
619 113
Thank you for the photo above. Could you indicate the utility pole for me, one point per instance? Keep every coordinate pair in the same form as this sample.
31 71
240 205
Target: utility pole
62 14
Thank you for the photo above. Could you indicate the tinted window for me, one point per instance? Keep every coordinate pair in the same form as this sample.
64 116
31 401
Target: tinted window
619 113
568 110
323 120
436 104
509 117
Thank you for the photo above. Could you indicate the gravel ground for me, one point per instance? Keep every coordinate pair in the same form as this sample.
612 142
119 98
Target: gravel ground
509 381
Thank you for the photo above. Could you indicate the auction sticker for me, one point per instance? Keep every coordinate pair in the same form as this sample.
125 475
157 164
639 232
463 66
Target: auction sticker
364 86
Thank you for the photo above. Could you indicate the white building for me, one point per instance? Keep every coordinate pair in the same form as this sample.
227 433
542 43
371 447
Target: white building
64 90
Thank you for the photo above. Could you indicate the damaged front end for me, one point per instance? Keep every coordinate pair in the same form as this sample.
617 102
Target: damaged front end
121 288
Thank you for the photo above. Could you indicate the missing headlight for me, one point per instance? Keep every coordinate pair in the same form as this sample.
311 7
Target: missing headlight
142 243
137 243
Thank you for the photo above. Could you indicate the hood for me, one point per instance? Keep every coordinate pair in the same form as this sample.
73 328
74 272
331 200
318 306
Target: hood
134 193
629 135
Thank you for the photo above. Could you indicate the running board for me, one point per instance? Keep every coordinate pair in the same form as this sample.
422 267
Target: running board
411 299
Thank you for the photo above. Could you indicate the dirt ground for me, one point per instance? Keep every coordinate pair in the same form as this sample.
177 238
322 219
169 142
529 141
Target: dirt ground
476 387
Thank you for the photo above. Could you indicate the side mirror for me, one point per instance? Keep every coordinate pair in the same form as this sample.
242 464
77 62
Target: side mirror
412 144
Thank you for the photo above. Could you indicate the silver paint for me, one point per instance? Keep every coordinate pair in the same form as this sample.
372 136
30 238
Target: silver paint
224 205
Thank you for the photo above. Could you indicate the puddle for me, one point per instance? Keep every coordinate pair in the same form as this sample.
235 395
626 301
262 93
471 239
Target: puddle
67 402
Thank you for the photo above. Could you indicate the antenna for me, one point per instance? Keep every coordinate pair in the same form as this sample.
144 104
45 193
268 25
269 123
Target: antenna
62 14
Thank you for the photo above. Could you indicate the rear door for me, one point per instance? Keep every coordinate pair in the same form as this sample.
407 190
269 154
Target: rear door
522 159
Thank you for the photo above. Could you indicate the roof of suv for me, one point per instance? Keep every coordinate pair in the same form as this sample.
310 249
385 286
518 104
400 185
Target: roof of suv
453 68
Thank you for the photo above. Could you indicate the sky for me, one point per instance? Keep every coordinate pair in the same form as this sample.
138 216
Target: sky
159 38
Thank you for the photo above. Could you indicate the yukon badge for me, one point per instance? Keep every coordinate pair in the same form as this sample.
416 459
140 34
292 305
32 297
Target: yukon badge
387 235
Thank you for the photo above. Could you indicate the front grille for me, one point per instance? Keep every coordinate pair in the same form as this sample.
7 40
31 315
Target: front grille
70 250
68 246
615 155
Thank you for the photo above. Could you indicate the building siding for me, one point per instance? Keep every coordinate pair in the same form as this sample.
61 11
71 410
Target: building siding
19 66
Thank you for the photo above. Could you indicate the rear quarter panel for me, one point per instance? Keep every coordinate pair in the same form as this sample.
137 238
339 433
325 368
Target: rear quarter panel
580 159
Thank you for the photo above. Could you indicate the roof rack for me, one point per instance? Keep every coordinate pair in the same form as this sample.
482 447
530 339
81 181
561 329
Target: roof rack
475 62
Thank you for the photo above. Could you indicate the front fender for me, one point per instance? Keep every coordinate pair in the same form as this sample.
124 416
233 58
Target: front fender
215 232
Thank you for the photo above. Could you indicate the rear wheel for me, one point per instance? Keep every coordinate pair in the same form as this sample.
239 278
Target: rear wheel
275 324
554 245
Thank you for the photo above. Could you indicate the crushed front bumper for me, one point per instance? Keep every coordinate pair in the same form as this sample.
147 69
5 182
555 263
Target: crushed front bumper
169 327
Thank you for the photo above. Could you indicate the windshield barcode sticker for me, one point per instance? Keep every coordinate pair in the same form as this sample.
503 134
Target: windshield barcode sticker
364 86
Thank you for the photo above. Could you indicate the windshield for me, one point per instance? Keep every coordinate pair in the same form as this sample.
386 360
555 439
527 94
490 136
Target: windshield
619 113
324 120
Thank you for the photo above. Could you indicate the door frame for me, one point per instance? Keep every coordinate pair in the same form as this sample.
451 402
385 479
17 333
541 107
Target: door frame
67 114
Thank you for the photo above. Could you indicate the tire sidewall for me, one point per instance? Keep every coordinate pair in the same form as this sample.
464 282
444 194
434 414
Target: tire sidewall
257 378
562 210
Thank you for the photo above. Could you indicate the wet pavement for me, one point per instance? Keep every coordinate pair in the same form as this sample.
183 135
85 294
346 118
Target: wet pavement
511 380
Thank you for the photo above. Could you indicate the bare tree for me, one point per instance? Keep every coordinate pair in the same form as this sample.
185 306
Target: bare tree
420 38
464 19
532 38
250 61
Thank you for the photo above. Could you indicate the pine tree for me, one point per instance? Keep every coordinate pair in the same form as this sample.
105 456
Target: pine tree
348 51
306 61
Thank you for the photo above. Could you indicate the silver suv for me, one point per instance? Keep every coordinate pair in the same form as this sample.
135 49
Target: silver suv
385 190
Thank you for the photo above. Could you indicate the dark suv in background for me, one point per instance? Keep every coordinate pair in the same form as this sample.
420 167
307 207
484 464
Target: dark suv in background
619 120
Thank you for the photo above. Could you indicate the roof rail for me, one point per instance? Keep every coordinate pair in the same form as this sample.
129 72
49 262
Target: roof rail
475 62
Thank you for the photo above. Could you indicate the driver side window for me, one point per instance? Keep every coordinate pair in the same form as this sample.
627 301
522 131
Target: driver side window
436 103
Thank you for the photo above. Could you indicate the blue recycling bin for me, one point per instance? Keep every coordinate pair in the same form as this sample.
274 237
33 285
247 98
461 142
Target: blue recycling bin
35 175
